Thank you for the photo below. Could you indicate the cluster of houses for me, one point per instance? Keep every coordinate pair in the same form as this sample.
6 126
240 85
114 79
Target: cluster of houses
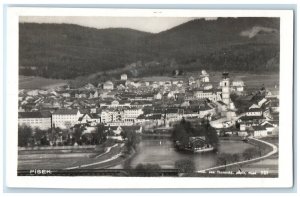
125 103
260 120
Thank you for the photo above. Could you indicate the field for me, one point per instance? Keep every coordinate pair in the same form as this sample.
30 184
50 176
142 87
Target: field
62 159
31 82
252 81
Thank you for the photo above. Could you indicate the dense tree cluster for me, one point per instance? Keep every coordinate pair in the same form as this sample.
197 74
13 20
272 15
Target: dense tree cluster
185 129
28 136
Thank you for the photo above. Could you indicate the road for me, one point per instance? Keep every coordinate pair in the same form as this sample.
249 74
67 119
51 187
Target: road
274 151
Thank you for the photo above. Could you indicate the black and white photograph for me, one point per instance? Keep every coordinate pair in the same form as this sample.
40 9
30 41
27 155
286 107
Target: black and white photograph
179 96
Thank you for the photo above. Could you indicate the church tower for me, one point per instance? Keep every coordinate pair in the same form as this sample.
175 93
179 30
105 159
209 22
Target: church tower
225 83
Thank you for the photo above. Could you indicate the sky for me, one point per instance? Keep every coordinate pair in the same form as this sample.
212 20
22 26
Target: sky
148 24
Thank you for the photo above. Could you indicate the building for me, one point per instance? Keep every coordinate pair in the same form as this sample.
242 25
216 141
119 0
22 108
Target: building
92 118
131 114
237 86
108 85
254 112
259 131
204 76
112 116
191 80
225 84
41 120
66 118
158 96
207 94
115 104
123 77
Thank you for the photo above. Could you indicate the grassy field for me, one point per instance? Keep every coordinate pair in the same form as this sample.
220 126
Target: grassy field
251 80
31 82
61 160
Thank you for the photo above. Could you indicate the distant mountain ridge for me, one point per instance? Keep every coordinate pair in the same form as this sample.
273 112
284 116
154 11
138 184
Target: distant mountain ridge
68 51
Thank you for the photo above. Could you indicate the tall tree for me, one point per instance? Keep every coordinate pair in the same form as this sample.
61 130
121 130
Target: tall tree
24 135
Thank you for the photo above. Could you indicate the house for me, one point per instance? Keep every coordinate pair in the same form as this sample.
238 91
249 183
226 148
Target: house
171 95
269 127
120 116
238 85
155 85
242 133
262 101
191 81
171 114
259 131
106 95
121 87
96 94
131 114
82 95
180 84
108 85
254 112
66 118
33 93
207 94
92 118
158 96
205 79
123 77
43 92
66 95
207 86
204 76
40 119
151 120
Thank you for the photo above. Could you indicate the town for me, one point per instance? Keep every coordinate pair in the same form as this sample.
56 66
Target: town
145 107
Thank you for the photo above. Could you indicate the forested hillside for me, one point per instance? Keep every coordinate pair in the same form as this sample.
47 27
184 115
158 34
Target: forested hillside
67 51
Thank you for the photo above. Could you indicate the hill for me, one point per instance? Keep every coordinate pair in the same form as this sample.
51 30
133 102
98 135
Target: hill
67 51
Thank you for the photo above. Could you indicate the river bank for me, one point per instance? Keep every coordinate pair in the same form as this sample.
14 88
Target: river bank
240 165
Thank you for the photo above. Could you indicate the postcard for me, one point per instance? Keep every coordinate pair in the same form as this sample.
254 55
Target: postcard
141 98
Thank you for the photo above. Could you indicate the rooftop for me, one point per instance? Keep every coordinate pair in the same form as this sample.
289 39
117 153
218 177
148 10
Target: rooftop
44 114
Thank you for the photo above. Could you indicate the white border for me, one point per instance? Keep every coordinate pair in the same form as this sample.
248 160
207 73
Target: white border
286 94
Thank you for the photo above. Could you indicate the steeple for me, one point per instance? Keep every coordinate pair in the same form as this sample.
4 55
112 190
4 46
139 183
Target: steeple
225 75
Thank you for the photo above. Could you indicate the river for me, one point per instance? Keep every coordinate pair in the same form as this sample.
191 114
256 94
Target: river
162 152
